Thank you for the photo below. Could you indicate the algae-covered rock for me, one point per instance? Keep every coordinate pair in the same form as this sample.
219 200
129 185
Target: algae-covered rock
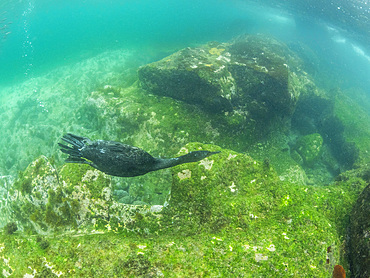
36 199
359 235
254 75
266 76
89 191
79 197
228 214
309 148
191 75
232 194
341 122
212 192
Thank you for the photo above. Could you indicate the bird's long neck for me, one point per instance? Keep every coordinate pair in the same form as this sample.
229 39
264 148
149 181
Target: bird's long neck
162 163
187 158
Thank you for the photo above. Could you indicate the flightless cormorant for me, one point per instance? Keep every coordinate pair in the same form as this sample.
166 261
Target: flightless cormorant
117 159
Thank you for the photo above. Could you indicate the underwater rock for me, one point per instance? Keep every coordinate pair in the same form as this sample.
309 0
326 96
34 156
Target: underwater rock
31 195
295 175
359 243
341 122
308 148
234 193
120 194
310 111
79 197
226 214
255 75
200 190
191 75
89 191
10 228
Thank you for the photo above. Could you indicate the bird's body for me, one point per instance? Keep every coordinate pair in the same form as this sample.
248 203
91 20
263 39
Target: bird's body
117 159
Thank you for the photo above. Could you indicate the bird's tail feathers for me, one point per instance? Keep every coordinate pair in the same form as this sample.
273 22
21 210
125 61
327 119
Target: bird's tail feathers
74 152
76 141
68 150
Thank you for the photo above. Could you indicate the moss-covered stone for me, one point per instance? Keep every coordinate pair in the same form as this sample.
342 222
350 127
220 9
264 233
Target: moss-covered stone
187 76
30 204
343 125
79 197
309 148
227 215
253 75
250 198
10 228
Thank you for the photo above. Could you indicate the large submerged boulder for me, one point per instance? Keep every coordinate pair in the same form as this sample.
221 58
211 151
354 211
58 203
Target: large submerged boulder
308 148
253 75
78 197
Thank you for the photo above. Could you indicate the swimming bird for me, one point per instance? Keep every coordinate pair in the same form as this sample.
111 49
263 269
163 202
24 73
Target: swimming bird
121 160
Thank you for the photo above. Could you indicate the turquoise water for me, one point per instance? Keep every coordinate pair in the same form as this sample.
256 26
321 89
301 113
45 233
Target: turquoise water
63 51
54 54
45 35
40 35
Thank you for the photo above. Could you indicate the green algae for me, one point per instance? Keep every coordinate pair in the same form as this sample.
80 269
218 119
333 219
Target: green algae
205 230
314 217
161 125
10 228
227 215
317 216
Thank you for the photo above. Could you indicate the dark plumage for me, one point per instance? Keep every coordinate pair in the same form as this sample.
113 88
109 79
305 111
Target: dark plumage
117 159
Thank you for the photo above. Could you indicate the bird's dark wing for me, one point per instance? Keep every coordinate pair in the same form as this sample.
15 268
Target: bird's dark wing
116 148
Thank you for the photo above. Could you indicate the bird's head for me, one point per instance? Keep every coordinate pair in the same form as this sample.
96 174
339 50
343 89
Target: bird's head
198 155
